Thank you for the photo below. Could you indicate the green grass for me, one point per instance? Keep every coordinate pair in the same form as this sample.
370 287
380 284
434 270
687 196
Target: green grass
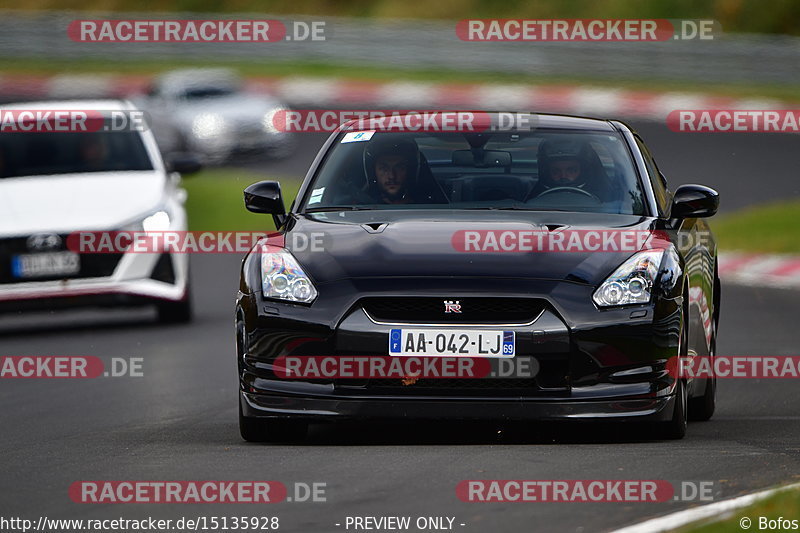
216 201
385 73
784 504
771 228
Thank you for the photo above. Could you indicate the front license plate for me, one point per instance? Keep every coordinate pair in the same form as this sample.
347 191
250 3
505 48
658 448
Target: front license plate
45 265
449 342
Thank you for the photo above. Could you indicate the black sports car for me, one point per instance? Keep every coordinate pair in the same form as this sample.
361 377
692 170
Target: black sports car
558 245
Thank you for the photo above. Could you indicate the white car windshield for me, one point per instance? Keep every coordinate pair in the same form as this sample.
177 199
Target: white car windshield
42 153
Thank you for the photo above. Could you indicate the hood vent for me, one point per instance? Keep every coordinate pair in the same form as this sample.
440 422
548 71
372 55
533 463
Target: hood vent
375 227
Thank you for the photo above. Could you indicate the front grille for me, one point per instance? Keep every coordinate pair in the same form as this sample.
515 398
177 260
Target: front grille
474 310
91 265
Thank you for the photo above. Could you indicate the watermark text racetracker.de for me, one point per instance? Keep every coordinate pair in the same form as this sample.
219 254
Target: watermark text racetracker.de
195 31
398 120
734 120
206 491
408 367
584 490
192 242
69 366
71 120
585 30
735 366
572 240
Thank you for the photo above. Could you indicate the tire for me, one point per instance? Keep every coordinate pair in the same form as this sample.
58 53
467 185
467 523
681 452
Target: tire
702 407
675 429
264 429
271 430
179 312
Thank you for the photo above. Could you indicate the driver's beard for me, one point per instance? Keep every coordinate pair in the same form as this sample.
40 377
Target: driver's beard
399 197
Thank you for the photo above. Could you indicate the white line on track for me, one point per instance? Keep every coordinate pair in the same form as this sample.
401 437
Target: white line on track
681 518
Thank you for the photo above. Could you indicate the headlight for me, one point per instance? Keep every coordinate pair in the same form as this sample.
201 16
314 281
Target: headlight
283 278
268 120
209 126
158 221
632 282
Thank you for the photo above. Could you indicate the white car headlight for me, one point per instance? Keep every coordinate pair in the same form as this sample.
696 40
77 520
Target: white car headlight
283 278
632 282
158 221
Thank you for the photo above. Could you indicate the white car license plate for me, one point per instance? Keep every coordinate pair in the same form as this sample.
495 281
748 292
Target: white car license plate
452 342
45 264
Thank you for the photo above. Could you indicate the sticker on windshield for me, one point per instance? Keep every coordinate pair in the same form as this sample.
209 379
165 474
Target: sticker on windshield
357 136
316 195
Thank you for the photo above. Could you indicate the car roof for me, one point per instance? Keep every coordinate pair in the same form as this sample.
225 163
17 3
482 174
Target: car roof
571 122
535 120
73 105
197 76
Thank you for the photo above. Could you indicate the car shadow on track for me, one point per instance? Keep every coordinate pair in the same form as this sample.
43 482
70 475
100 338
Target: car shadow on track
471 433
44 323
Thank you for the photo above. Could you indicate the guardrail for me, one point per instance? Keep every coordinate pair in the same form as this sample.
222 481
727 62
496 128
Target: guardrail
428 44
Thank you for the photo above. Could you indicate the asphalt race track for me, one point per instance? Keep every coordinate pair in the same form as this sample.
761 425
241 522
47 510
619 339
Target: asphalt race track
178 421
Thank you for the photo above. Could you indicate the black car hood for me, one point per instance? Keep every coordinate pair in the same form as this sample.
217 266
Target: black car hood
416 243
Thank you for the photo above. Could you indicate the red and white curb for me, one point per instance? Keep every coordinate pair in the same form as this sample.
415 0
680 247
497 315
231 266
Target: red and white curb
760 270
713 512
335 92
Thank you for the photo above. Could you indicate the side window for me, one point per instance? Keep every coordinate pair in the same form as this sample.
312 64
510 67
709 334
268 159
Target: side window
659 187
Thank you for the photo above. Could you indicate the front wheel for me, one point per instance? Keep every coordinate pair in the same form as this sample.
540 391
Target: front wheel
702 407
675 429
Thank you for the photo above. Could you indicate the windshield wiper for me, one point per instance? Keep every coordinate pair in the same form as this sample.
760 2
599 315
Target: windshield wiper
337 208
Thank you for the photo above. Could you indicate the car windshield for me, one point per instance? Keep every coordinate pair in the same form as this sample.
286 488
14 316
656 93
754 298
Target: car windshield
548 170
42 153
196 93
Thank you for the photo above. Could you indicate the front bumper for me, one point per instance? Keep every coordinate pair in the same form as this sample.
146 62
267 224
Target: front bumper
320 409
593 364
131 284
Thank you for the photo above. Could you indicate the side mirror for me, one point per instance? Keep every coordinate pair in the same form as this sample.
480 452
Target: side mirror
694 201
265 197
183 163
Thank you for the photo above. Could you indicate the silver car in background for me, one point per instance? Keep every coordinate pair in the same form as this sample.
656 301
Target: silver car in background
207 112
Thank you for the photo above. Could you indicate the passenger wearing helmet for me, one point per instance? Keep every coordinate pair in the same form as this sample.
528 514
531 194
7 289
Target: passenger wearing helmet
570 164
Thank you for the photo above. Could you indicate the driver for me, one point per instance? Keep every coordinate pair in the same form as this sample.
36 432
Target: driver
569 164
561 165
566 172
392 167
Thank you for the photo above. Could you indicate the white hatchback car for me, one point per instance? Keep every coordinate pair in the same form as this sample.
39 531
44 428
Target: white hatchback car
53 185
